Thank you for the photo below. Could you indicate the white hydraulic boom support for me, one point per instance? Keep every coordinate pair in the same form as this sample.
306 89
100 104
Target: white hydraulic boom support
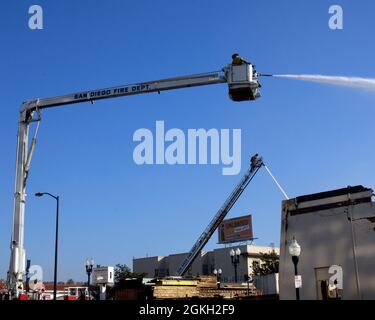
242 84
256 164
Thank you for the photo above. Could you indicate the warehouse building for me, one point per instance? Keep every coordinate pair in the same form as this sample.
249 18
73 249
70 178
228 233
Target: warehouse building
206 263
336 234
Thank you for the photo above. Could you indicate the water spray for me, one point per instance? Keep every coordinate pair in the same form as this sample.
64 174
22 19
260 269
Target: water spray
353 82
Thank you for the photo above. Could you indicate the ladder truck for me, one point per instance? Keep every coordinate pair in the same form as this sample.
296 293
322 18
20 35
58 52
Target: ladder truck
243 85
255 165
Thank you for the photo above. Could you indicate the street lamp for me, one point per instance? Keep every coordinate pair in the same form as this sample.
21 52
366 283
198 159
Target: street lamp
218 273
41 194
89 265
235 257
295 251
249 280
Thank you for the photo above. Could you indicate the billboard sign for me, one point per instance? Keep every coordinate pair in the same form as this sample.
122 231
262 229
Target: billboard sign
236 230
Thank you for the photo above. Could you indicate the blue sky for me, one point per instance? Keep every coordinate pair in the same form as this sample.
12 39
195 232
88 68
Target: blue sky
313 137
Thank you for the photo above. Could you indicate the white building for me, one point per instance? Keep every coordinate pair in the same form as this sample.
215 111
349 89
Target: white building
333 228
205 263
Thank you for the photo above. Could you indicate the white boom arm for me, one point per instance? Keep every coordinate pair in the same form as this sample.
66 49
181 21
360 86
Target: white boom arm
126 90
242 84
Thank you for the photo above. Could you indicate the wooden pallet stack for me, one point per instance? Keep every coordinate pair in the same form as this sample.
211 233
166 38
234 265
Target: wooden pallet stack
204 287
175 292
207 282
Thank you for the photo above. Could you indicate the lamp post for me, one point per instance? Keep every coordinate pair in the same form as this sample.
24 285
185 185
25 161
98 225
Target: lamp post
249 280
235 257
217 273
295 251
89 265
41 194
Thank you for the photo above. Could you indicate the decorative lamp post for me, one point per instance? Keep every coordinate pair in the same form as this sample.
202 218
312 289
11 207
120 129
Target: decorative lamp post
217 273
235 258
295 251
89 265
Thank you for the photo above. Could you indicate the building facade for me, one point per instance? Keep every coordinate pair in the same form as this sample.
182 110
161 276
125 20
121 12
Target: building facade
336 233
205 263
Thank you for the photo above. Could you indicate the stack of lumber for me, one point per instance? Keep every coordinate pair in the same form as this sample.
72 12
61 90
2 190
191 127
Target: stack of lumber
174 292
229 293
204 287
176 282
207 282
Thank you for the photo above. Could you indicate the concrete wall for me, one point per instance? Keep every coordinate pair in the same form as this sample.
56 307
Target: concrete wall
326 239
147 265
175 260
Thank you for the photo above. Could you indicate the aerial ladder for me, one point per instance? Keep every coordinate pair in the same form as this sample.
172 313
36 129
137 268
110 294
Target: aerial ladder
242 84
255 164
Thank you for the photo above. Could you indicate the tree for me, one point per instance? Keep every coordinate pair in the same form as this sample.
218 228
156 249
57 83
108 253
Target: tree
269 264
70 282
122 272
